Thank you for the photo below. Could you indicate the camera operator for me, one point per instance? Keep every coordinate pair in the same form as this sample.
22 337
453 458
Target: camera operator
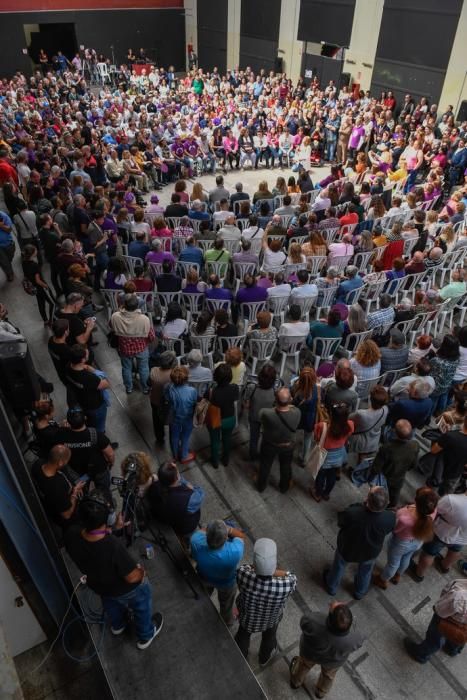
57 492
111 571
175 501
91 451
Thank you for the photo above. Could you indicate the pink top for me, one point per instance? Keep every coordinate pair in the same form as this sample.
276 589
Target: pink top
405 520
162 233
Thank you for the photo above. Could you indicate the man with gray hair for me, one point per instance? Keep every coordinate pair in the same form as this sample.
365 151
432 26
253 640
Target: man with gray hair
196 372
238 196
351 282
263 592
229 231
399 454
134 333
217 551
363 528
197 212
434 259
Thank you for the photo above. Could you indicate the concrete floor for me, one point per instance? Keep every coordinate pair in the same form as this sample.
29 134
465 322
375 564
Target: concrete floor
305 533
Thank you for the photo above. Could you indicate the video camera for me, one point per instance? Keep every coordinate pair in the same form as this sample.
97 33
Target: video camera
127 484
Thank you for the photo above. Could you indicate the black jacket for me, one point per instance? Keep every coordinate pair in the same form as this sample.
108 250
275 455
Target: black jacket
362 532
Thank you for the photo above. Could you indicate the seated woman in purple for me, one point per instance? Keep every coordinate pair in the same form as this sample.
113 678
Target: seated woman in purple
115 277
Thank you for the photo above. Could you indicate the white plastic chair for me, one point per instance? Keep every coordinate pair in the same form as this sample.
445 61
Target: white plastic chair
290 346
353 340
277 306
249 311
166 298
214 305
305 304
327 349
231 341
315 264
194 304
259 350
173 221
184 267
204 343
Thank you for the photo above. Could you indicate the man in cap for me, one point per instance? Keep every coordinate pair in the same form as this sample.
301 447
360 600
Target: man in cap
264 591
217 552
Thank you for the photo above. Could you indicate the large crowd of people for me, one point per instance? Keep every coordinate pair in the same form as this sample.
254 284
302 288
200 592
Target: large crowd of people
331 308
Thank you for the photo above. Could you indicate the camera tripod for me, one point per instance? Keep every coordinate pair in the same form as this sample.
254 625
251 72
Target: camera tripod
135 513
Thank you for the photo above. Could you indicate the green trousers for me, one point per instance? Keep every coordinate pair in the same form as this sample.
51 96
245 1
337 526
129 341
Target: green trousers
224 434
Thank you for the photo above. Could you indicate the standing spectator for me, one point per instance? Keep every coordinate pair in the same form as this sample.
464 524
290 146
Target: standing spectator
135 333
362 530
217 552
327 641
160 376
182 401
32 273
395 458
368 423
414 525
263 592
258 396
7 245
450 528
279 426
338 431
443 370
305 396
88 387
451 608
111 572
223 396
453 446
59 496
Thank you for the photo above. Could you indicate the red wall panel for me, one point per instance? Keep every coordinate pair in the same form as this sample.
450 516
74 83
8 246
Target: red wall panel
51 5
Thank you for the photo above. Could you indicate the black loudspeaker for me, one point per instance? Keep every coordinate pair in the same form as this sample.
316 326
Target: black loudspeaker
345 80
279 65
18 378
462 113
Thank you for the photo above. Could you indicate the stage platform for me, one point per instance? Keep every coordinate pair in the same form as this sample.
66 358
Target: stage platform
195 656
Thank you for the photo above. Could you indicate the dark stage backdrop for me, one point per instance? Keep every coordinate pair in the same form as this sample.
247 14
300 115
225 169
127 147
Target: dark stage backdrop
326 20
414 47
259 33
212 34
160 32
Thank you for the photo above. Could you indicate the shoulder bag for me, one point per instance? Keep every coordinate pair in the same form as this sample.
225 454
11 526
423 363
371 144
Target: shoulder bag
455 632
318 454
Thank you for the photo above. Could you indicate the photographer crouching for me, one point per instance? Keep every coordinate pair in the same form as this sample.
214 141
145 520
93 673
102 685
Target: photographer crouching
110 569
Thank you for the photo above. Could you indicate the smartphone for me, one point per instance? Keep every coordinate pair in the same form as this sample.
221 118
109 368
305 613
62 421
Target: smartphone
84 478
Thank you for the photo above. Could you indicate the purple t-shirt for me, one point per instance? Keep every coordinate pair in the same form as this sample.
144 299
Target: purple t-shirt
219 293
355 136
246 295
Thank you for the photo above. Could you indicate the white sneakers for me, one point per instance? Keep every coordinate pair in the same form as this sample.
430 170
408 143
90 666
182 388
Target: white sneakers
158 624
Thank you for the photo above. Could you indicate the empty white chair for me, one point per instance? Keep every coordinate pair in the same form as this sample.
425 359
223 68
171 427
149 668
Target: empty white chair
259 350
194 304
277 306
290 346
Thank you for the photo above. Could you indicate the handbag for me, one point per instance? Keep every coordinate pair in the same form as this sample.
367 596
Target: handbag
322 415
112 339
454 631
318 454
206 413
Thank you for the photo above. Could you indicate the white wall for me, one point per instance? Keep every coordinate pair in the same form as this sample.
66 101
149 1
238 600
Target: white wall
234 12
455 82
364 41
290 50
191 25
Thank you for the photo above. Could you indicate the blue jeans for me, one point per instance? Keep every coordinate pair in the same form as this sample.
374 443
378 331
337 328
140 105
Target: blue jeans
275 153
362 577
440 402
142 359
410 182
139 600
180 432
399 555
97 417
434 641
331 149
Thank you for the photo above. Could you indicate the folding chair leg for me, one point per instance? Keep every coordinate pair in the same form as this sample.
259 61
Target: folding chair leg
253 365
283 361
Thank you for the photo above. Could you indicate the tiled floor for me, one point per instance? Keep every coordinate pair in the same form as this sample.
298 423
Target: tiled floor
305 533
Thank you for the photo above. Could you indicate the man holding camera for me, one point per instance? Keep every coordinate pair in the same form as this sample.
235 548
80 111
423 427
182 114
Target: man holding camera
111 571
